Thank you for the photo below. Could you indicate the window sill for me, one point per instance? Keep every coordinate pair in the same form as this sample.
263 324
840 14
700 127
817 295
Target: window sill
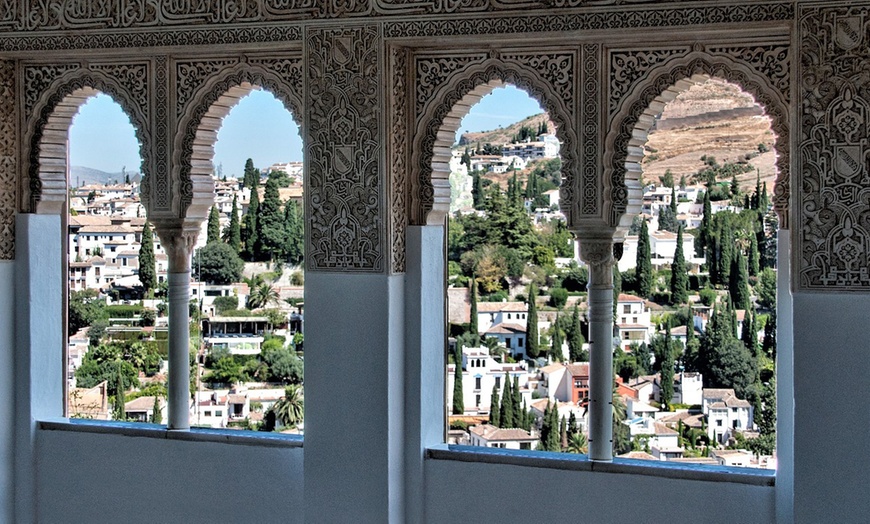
573 462
135 429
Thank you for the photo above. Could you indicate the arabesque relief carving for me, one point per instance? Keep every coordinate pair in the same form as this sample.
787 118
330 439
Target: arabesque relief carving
343 149
833 217
9 137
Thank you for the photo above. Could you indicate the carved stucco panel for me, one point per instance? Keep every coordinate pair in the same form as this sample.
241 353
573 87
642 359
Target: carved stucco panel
8 159
833 229
397 154
343 122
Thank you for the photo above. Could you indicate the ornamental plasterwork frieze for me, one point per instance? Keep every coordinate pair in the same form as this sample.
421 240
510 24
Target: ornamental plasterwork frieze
546 76
397 153
833 216
662 78
52 95
205 91
343 136
8 159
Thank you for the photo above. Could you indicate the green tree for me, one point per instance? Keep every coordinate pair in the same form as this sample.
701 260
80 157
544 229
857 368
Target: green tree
271 231
233 232
84 309
768 344
147 268
667 372
766 289
477 196
473 327
532 347
556 342
738 285
754 260
494 408
119 412
702 242
218 263
643 358
506 414
252 175
284 366
294 223
643 266
577 443
749 335
214 226
621 434
156 414
290 409
576 340
458 401
252 231
679 274
261 295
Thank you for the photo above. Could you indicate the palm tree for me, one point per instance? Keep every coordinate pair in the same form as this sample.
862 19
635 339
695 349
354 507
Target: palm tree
262 295
577 443
289 410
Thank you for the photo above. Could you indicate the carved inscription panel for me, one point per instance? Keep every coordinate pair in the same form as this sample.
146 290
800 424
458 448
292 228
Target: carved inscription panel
833 230
343 122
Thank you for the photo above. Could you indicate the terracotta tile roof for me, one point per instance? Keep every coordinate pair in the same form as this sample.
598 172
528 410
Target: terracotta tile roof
637 455
494 307
140 404
492 433
578 370
506 329
623 297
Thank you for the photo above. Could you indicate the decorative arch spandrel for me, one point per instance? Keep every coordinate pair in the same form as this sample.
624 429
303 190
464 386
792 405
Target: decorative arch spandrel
52 97
446 86
206 91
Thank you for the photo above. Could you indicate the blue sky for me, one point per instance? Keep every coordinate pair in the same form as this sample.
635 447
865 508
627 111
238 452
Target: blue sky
101 136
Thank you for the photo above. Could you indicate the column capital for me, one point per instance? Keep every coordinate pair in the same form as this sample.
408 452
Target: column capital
597 252
178 241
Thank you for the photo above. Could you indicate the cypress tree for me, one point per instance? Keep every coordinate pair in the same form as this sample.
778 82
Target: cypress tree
643 262
458 401
572 424
270 221
667 372
214 226
556 347
120 412
643 359
726 253
147 269
507 409
517 403
156 414
702 245
673 204
252 175
738 284
545 428
735 187
563 433
575 339
753 256
532 348
679 275
494 408
477 190
757 199
252 241
473 327
233 233
764 200
294 233
749 335
553 437
768 343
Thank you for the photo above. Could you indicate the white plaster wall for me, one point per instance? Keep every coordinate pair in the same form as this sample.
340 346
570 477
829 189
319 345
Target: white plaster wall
832 388
577 496
7 385
98 478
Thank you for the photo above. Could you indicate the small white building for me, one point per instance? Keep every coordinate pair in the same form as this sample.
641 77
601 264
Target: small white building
480 372
632 321
725 414
492 313
489 436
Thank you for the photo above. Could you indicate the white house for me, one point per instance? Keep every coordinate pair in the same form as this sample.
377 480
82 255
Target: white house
725 414
480 372
492 313
632 321
489 436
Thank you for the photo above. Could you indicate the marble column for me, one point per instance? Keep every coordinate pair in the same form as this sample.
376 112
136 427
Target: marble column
178 243
598 255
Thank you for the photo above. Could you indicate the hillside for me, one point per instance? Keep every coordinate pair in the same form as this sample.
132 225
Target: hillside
81 176
712 118
504 135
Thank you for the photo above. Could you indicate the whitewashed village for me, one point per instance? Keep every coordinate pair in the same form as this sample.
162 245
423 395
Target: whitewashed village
692 297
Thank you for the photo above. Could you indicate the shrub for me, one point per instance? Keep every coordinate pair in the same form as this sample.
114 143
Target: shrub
224 304
558 297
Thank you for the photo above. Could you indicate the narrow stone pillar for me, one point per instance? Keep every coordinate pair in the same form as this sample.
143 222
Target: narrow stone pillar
598 255
178 243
